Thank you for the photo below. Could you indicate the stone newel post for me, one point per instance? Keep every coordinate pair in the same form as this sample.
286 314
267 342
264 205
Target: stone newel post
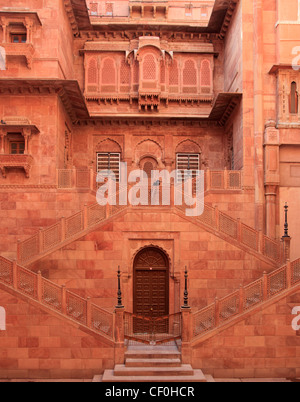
286 238
186 331
119 326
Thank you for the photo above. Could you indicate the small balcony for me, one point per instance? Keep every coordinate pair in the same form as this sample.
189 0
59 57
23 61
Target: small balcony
21 50
24 162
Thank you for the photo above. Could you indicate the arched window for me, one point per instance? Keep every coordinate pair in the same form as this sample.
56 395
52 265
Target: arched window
294 98
189 74
108 72
174 77
124 77
205 76
149 67
92 75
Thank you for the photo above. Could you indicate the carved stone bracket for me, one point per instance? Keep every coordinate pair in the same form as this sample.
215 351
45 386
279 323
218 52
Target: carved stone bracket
15 162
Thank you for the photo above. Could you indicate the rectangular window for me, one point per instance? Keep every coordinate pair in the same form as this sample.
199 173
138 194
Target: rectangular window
94 8
109 161
18 38
16 143
189 162
109 9
188 10
17 148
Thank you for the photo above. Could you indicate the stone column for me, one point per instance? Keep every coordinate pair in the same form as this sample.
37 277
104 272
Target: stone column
272 176
2 135
271 195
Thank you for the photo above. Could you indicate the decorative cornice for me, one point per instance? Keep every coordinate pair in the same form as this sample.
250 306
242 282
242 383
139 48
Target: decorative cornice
68 91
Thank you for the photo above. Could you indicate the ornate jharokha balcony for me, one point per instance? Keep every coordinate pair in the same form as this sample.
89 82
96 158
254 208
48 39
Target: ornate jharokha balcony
20 49
16 162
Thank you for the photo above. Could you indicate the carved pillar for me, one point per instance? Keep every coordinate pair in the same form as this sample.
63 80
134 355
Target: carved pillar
271 197
26 135
2 135
272 176
4 24
29 26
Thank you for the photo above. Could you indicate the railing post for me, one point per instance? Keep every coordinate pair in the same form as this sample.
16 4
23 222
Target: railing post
74 178
63 228
225 179
239 230
217 312
85 217
260 241
89 312
41 240
289 274
64 299
15 275
217 217
39 286
242 294
265 286
19 250
208 180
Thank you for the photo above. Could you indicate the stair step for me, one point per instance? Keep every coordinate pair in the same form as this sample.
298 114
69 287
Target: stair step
152 354
184 370
197 376
153 363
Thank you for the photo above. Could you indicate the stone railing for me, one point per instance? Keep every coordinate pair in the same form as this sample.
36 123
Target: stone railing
223 310
57 298
227 180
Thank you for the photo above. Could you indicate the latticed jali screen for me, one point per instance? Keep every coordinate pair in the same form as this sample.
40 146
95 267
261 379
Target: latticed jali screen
102 321
27 282
277 282
6 271
76 307
28 248
228 225
74 225
253 294
271 249
65 178
96 213
52 294
249 237
229 307
204 321
295 272
52 236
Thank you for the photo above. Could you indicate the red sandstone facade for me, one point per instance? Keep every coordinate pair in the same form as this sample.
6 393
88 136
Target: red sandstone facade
153 85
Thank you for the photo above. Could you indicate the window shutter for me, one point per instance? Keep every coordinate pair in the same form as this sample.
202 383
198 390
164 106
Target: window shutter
109 161
188 162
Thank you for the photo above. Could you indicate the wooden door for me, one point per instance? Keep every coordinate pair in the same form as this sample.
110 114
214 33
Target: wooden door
151 287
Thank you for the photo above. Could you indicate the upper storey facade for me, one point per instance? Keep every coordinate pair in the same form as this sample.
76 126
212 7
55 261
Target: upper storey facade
161 12
160 57
37 39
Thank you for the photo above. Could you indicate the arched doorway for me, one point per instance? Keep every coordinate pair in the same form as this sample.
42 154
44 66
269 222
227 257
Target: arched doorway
151 283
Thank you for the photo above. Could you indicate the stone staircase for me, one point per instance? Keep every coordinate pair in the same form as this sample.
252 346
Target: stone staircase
145 363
